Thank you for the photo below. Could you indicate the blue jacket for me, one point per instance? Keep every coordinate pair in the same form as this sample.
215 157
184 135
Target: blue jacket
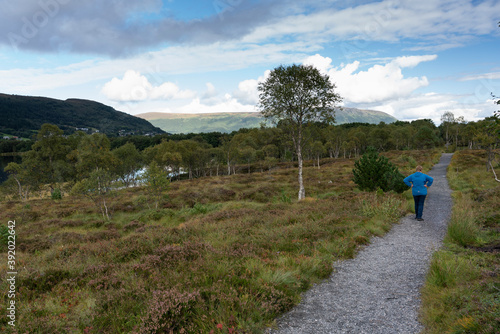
418 180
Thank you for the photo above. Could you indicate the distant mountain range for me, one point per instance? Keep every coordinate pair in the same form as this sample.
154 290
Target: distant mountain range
22 116
228 122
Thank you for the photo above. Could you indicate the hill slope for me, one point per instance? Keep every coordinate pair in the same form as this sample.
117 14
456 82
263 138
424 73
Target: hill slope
22 115
228 122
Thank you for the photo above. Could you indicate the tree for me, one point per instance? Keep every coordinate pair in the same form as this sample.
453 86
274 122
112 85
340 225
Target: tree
373 171
447 119
97 187
488 137
157 182
129 161
297 96
425 138
49 154
24 179
317 149
94 153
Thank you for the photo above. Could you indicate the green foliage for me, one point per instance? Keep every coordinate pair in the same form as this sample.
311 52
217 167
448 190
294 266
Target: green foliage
462 228
373 171
461 291
382 206
297 83
156 182
129 161
97 187
56 194
4 234
447 269
296 97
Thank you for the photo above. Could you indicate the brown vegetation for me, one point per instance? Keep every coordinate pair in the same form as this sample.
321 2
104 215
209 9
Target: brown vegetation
223 255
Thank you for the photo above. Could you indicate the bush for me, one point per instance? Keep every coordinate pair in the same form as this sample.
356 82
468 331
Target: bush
373 171
56 194
170 311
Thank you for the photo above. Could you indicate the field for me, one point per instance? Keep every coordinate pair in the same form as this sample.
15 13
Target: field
462 290
222 255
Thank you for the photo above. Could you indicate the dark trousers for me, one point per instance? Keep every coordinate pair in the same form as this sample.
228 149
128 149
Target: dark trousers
419 205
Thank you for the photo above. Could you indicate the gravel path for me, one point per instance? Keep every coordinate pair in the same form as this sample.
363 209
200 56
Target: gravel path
379 290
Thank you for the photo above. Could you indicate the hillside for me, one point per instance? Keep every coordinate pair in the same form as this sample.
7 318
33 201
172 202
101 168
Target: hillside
22 115
228 122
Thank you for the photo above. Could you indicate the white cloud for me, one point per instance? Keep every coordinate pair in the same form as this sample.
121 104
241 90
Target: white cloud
433 105
211 91
449 22
378 83
247 92
136 87
484 76
227 104
171 61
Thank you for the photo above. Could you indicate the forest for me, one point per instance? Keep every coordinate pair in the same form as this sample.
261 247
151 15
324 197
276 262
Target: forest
59 161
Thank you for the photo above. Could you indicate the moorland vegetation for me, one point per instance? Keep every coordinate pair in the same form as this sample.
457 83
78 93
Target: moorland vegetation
221 254
222 245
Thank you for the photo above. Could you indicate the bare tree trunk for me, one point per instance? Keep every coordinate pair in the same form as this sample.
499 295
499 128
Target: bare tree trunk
302 191
20 189
495 174
106 208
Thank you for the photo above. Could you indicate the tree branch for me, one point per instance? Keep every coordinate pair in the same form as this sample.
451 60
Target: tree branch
496 179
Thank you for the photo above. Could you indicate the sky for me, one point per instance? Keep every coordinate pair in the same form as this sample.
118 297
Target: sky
411 59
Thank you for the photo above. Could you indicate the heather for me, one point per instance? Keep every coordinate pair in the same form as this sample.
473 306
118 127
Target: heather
224 254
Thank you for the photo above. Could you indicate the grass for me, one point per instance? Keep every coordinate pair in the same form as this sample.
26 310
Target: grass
461 294
222 255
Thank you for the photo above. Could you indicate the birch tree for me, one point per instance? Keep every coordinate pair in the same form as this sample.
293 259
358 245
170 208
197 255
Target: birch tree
297 96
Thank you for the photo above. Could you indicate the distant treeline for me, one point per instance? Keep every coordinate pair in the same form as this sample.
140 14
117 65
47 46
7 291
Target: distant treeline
346 139
56 159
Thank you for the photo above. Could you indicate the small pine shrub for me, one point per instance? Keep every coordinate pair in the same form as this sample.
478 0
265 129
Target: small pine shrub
373 171
56 194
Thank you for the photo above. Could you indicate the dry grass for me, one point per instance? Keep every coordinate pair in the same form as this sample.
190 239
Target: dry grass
225 254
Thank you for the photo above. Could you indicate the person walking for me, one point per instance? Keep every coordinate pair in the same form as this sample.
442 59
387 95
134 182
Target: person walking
419 182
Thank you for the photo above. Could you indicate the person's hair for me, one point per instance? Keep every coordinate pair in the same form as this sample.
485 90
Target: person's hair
419 168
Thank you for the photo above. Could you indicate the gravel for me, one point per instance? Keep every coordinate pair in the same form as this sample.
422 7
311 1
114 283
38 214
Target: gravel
379 290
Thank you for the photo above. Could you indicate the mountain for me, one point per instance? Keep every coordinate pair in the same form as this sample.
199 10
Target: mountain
22 115
228 122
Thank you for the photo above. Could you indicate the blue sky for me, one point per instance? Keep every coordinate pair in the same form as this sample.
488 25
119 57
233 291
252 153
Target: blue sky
411 59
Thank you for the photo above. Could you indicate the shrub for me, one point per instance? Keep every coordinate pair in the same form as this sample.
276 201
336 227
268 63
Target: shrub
170 311
373 171
56 194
